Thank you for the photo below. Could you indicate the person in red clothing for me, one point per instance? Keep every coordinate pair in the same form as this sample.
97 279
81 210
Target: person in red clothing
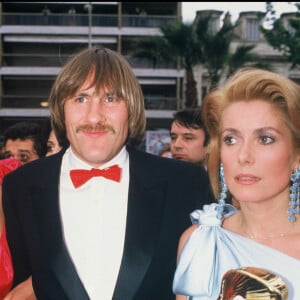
24 290
6 268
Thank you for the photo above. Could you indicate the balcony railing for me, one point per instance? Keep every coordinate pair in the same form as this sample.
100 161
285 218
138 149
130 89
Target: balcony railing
160 103
33 60
58 60
17 101
59 19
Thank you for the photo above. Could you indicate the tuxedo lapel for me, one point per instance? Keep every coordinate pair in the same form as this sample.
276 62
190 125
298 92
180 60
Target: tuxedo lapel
144 215
49 232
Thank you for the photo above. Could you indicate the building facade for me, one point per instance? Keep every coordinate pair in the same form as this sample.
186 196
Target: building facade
38 37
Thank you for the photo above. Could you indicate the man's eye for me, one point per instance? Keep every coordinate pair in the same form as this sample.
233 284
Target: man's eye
81 99
111 98
189 138
24 158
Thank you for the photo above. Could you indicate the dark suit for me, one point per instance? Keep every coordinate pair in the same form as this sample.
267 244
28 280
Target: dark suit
162 194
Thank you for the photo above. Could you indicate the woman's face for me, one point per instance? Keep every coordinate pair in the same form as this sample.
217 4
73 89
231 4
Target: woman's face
52 144
256 151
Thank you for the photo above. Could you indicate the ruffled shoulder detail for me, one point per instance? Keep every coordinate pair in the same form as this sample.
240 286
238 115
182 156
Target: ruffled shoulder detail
208 215
201 254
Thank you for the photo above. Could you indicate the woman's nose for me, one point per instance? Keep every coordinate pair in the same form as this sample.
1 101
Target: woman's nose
246 155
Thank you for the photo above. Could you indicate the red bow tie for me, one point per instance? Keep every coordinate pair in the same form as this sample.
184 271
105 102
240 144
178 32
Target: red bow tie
79 177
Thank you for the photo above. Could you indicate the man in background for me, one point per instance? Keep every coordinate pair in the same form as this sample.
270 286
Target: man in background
24 141
189 137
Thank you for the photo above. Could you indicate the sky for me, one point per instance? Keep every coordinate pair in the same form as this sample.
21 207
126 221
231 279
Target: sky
189 8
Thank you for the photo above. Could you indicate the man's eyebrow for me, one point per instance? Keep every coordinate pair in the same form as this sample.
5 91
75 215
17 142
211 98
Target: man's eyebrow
188 134
25 150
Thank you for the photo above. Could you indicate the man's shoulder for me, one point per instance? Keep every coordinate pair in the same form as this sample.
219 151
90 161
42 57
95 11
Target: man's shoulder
155 161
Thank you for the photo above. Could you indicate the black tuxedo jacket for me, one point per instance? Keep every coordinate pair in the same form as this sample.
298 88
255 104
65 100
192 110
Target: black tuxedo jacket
162 194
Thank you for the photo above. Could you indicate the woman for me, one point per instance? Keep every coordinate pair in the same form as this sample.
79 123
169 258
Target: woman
254 125
53 145
54 142
23 291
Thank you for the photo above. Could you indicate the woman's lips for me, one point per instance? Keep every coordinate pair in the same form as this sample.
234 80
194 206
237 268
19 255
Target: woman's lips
246 179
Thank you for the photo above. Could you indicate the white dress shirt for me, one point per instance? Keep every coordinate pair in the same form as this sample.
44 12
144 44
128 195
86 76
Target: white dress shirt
94 220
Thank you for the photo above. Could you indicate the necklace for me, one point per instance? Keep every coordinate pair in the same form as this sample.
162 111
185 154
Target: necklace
270 237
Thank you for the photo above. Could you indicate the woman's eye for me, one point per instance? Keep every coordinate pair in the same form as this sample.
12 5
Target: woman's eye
266 139
229 140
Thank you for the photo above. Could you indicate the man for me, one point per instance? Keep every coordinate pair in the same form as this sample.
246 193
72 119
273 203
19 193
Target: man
189 137
112 236
24 141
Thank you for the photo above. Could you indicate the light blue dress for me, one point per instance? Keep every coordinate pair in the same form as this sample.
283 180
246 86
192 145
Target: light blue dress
211 251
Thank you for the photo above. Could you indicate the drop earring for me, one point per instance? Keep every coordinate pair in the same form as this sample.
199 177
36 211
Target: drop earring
294 204
223 194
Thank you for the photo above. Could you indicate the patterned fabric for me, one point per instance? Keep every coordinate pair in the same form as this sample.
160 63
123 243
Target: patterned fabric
211 251
8 165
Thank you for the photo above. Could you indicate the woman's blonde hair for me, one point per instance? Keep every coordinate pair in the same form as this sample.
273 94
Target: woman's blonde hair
110 70
245 85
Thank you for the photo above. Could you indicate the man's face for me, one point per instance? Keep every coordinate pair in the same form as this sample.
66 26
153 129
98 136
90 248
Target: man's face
187 144
23 150
96 124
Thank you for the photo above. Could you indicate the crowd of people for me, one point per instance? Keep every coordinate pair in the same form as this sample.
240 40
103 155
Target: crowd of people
103 219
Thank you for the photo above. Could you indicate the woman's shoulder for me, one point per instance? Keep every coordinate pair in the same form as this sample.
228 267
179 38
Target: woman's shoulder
207 216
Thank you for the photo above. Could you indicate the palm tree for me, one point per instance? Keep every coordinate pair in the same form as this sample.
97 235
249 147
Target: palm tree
215 47
218 57
178 43
242 56
194 44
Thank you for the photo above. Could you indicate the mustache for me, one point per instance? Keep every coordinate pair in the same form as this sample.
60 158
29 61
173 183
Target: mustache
97 127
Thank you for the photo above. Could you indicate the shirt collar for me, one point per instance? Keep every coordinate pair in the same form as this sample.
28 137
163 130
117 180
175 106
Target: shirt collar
75 162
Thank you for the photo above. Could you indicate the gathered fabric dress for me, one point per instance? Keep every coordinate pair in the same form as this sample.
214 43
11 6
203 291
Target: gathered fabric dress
212 250
6 268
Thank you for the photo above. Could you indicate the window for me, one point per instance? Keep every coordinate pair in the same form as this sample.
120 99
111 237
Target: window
252 30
